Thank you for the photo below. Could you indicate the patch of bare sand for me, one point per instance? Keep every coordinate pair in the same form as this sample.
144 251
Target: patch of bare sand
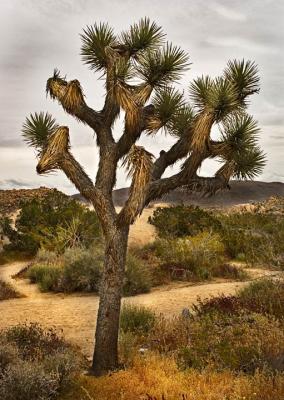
76 314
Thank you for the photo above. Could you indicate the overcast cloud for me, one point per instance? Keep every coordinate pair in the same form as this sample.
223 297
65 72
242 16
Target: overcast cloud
39 35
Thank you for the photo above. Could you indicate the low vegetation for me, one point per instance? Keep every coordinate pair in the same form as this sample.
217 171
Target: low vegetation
54 223
7 291
80 269
224 348
255 236
35 363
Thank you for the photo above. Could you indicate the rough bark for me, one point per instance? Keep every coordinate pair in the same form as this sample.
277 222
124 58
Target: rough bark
106 353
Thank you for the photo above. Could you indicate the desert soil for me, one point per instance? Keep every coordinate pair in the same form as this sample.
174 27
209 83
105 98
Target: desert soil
76 314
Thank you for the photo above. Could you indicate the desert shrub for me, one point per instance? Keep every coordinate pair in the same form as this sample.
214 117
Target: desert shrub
199 254
33 341
47 276
128 346
136 319
8 355
80 269
182 221
218 304
230 271
264 296
254 238
154 377
7 291
35 363
242 342
148 255
55 223
46 256
138 277
27 381
168 335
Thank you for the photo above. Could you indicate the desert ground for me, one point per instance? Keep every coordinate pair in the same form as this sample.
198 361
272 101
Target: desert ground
75 314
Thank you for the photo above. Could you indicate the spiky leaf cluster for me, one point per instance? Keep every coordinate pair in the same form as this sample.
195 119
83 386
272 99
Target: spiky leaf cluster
167 103
181 121
239 136
95 40
218 97
163 66
141 36
243 75
37 129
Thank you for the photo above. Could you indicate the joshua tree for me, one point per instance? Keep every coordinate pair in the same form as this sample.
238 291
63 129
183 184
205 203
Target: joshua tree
139 69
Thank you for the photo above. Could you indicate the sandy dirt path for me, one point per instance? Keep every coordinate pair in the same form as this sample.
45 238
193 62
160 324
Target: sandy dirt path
76 314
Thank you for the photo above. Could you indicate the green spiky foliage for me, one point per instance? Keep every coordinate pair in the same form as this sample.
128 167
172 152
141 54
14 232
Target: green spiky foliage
218 96
95 40
142 36
167 102
239 135
244 77
163 66
181 121
37 129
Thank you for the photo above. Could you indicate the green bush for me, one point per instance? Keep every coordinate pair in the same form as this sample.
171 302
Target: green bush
254 238
182 221
138 277
80 269
136 319
200 255
55 223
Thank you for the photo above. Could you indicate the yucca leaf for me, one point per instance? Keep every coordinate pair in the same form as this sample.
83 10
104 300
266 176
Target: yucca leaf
37 129
244 76
142 36
218 96
250 163
181 121
95 39
199 91
167 102
161 67
239 135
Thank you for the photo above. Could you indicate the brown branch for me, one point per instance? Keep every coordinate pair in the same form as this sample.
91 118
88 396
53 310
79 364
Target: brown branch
71 97
57 156
139 163
133 132
195 137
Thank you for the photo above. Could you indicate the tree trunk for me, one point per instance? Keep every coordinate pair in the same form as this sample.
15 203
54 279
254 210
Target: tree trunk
106 344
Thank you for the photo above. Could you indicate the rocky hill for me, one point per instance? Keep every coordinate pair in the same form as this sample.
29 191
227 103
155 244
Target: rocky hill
242 192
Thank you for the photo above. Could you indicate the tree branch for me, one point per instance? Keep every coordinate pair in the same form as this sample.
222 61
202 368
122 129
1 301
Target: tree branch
57 155
71 97
139 164
132 133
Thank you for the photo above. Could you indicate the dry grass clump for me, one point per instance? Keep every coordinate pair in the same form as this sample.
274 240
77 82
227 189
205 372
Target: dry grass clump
156 377
7 291
35 363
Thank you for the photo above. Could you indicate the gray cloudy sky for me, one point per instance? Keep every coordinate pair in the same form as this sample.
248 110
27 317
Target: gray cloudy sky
38 35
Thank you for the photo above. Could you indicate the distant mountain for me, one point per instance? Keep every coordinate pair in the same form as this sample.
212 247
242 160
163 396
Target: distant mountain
241 192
